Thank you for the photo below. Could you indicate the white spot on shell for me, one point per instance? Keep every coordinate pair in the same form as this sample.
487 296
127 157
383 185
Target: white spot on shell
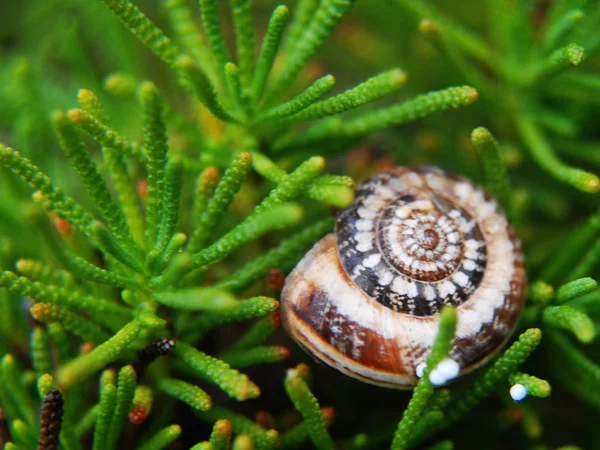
486 209
365 241
412 179
373 202
365 213
446 288
397 185
472 244
453 238
403 212
469 264
365 236
422 205
385 193
471 254
429 293
412 290
494 224
461 279
385 277
364 225
400 286
463 190
372 260
364 246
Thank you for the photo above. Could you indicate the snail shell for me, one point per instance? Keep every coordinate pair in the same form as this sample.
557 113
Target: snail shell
366 299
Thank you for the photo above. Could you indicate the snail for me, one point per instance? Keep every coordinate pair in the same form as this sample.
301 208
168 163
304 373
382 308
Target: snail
365 299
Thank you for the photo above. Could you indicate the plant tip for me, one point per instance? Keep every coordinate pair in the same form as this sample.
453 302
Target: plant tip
481 135
75 115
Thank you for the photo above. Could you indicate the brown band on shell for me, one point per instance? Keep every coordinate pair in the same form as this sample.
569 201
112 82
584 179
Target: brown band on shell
350 339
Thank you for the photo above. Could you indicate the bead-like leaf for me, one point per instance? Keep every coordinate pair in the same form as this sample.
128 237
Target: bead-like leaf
266 439
244 310
95 185
221 435
368 91
196 81
162 439
108 397
240 359
169 209
60 296
38 271
214 34
326 16
383 117
303 100
155 145
198 299
40 351
493 167
303 13
228 186
54 198
206 184
187 32
105 135
306 403
245 39
544 155
563 58
574 289
78 369
15 392
142 28
534 385
276 216
570 319
269 49
186 392
231 381
124 398
142 404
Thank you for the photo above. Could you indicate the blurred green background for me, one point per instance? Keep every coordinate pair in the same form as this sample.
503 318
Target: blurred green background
59 46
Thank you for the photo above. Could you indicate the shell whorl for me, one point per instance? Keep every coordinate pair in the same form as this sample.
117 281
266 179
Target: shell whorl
366 299
409 244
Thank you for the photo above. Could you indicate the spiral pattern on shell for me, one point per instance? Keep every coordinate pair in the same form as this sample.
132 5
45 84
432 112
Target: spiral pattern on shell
366 299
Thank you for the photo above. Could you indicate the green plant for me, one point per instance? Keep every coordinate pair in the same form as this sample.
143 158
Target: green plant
197 191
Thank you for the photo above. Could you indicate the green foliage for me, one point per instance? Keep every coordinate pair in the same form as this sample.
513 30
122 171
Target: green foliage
305 402
148 198
424 389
